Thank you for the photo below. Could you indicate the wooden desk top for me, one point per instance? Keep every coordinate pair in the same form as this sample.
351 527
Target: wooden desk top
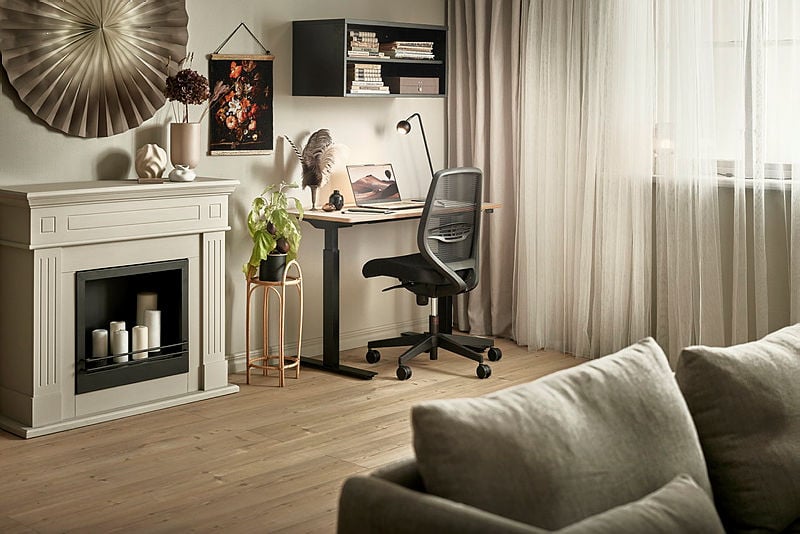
345 217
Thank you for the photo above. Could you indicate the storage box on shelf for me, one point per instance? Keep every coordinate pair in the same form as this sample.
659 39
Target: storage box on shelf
407 85
337 57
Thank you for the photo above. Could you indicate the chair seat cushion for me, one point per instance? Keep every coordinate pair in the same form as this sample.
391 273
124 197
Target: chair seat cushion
745 402
564 447
409 268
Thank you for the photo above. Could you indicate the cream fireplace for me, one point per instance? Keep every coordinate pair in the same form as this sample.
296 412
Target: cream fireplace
50 232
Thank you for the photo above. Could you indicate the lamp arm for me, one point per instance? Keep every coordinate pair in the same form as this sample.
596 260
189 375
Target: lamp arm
424 140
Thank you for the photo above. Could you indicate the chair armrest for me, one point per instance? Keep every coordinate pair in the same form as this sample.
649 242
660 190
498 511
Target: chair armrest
375 505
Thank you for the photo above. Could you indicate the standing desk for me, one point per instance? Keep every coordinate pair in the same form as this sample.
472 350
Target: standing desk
331 222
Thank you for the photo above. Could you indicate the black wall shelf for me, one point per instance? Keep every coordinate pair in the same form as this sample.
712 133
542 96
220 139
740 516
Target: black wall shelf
320 59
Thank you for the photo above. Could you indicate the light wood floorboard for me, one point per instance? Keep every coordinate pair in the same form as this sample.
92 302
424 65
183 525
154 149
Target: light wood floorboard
267 459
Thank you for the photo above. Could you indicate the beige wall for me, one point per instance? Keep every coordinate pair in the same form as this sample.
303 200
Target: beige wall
31 152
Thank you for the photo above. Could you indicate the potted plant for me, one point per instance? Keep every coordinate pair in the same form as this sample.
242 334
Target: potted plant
275 232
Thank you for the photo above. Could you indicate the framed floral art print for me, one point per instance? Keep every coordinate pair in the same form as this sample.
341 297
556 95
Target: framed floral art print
240 113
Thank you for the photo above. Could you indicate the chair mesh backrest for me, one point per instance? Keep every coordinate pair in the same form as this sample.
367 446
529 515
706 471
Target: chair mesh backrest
450 224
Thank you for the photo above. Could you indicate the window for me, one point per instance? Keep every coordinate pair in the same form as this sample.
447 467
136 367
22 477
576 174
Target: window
756 82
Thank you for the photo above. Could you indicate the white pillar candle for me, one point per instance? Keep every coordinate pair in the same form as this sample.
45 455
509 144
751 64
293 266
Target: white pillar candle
152 320
119 345
145 301
99 343
139 342
114 326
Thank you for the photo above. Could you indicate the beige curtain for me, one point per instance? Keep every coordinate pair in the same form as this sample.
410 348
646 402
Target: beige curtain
483 84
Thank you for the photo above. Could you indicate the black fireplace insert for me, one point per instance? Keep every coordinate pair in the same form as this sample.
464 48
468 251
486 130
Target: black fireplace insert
110 294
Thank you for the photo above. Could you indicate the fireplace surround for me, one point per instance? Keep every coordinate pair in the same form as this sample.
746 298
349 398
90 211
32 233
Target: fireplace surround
54 237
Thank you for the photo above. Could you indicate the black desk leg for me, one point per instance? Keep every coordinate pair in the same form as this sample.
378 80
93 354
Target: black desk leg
330 298
330 312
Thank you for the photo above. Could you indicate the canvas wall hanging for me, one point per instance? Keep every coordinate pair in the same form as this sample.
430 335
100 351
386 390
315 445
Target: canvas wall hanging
241 110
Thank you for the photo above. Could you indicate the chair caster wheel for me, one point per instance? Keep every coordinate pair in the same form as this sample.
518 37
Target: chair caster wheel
495 354
403 372
373 356
483 371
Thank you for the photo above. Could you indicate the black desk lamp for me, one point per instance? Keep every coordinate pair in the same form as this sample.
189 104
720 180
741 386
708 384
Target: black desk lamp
404 127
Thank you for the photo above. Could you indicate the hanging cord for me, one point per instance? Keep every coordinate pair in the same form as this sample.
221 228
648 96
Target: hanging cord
234 33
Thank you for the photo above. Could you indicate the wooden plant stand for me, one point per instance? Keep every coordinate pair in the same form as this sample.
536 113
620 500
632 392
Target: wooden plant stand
275 362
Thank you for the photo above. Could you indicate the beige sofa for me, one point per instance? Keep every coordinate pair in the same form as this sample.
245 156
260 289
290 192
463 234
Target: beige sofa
619 444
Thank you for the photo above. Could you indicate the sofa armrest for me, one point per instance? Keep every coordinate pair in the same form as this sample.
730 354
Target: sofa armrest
403 472
376 505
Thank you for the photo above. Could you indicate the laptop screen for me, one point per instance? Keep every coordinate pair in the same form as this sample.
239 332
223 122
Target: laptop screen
373 183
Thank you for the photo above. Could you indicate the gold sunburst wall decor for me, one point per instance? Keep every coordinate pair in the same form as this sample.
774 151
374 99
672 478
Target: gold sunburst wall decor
91 68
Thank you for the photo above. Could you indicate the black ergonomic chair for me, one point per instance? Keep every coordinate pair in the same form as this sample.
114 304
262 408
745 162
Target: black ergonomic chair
446 265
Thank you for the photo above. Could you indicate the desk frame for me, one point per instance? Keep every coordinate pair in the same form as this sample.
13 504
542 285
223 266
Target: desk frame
331 222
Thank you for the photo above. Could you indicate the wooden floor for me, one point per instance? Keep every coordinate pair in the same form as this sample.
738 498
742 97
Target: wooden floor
263 460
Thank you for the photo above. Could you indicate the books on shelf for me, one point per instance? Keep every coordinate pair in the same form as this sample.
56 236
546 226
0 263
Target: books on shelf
364 71
364 44
376 91
408 49
362 53
365 78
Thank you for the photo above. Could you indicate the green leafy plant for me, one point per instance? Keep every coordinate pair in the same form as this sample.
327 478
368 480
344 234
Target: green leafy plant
272 227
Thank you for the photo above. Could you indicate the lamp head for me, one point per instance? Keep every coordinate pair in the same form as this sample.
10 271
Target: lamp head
403 127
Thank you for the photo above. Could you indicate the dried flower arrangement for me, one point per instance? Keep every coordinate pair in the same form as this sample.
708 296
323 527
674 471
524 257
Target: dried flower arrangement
187 86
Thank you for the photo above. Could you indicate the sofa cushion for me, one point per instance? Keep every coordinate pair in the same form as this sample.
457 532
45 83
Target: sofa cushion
680 507
376 504
566 446
745 401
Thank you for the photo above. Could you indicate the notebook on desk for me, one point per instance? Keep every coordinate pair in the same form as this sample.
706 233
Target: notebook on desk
375 186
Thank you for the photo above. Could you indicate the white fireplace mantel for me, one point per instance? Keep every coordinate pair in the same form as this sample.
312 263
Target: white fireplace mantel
48 232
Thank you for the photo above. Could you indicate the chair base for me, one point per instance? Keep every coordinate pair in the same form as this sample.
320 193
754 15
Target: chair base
430 342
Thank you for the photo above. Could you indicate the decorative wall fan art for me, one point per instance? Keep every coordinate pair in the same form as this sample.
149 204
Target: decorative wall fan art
91 68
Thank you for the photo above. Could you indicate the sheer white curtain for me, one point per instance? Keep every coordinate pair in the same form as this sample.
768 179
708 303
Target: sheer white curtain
757 54
583 275
701 95
688 275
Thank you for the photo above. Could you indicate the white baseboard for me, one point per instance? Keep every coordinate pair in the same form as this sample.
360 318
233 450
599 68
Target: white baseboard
312 346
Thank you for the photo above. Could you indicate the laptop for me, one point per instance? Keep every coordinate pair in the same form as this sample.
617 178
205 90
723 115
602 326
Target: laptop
375 186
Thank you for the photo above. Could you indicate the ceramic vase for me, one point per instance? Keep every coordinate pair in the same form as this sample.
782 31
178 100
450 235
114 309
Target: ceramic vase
184 144
336 199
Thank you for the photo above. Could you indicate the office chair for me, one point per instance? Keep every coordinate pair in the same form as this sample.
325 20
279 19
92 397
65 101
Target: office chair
446 265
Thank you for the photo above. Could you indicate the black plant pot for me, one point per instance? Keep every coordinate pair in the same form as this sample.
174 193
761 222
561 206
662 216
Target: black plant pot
271 269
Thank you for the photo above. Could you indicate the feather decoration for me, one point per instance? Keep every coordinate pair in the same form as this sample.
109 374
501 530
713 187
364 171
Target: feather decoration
316 159
296 150
326 161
